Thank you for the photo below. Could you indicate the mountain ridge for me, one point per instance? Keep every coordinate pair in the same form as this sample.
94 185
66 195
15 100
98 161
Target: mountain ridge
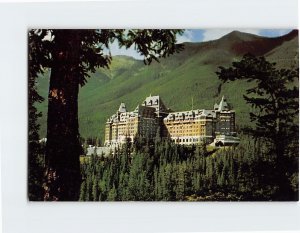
177 79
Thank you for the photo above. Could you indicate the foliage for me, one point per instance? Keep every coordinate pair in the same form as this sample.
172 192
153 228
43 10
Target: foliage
193 70
274 99
169 172
273 96
37 58
72 55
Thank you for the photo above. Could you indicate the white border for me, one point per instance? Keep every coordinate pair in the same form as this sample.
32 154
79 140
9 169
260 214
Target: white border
21 216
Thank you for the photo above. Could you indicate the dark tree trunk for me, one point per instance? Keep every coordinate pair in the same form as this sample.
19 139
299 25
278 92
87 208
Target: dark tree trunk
282 167
62 175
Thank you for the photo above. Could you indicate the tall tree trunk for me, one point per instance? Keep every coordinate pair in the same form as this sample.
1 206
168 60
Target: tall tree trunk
285 192
62 175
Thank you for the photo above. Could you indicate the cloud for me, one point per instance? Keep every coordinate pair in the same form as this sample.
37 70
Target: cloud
131 52
187 36
213 34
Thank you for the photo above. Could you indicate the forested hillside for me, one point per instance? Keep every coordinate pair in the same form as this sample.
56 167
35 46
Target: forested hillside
177 79
163 171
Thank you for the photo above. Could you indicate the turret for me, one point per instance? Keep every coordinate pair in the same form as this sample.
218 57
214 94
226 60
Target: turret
223 106
122 108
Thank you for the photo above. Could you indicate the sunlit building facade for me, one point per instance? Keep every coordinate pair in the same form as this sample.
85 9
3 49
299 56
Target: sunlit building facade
201 125
185 127
143 121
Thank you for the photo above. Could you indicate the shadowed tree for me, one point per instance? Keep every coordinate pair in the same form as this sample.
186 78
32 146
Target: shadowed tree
274 97
72 55
37 57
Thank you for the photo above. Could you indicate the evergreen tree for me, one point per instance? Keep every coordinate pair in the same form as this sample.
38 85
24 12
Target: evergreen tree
244 172
167 183
103 189
72 55
95 190
37 58
83 191
112 194
134 176
180 182
275 100
196 182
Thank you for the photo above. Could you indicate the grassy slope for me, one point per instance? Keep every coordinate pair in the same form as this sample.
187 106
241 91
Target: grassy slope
178 79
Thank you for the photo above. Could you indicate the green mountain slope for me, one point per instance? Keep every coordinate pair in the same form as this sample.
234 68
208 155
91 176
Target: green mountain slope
177 79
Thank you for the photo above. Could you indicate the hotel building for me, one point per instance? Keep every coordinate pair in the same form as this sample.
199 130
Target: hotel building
184 127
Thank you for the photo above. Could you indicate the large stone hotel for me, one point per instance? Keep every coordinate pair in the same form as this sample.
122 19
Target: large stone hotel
186 127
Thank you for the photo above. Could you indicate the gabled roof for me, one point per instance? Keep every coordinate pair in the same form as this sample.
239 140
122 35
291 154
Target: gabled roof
216 106
192 114
155 102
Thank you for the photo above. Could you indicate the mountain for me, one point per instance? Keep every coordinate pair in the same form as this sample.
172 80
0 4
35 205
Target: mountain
178 79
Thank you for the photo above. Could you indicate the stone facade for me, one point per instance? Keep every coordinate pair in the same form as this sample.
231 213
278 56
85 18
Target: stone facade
126 125
201 125
190 127
187 127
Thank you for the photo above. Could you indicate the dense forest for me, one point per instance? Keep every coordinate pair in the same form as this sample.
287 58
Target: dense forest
160 170
263 167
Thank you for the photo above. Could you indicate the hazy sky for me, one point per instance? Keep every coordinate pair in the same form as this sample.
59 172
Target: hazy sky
198 35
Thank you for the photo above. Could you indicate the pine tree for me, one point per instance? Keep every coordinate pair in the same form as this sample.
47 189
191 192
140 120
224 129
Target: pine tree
72 55
102 189
168 183
89 189
134 177
162 189
95 190
274 98
180 182
83 191
112 194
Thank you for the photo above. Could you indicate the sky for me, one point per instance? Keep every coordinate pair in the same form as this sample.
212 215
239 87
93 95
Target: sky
200 35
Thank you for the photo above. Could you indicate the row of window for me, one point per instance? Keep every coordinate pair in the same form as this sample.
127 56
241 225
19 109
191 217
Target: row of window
186 131
186 120
187 140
